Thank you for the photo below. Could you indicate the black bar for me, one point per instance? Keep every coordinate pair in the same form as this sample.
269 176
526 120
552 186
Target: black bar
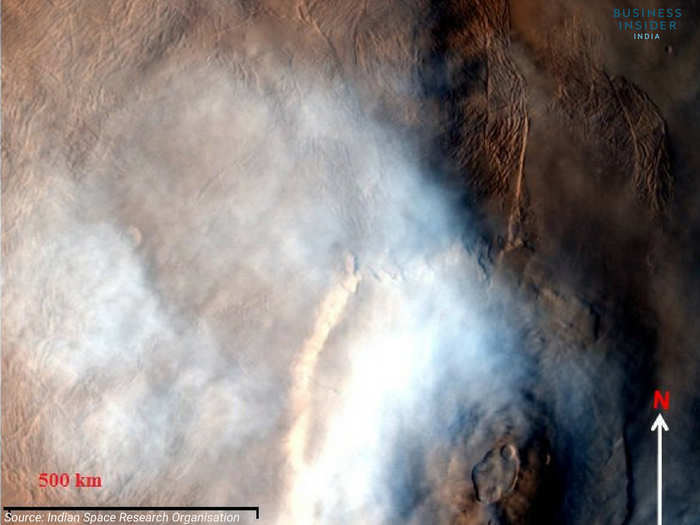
9 508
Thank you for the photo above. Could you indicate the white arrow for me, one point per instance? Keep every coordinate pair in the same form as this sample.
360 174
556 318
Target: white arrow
661 426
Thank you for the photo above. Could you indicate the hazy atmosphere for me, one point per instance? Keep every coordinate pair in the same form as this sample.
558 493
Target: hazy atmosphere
350 262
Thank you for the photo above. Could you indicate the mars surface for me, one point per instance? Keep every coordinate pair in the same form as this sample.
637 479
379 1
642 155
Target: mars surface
390 262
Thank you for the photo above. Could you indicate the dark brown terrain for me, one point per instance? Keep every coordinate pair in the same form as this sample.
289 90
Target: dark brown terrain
354 262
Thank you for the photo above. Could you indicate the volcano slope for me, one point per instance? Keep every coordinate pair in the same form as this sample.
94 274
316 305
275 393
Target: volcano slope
353 262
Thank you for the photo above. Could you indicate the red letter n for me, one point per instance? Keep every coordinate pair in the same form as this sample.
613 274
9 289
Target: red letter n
661 399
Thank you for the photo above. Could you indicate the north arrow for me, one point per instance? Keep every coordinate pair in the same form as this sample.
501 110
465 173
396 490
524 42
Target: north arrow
660 426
